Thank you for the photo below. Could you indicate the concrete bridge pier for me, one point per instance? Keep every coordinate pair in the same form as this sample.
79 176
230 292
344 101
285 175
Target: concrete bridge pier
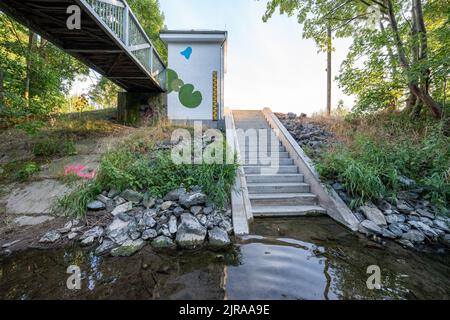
133 106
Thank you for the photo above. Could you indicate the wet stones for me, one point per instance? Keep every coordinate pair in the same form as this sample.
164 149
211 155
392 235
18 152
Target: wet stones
50 237
191 233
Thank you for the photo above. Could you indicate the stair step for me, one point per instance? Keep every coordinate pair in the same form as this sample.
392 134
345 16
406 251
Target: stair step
278 187
287 211
280 170
264 154
269 162
255 149
258 178
282 199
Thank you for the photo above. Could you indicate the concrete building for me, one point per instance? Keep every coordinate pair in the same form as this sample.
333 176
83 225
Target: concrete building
195 75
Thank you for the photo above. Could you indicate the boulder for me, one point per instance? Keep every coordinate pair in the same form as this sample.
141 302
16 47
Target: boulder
96 205
173 225
226 225
163 242
105 247
125 207
440 224
218 237
388 234
132 196
415 236
149 234
190 232
425 213
192 199
174 195
429 232
166 205
149 220
50 237
178 211
373 214
128 248
95 233
404 207
117 231
195 210
369 227
396 230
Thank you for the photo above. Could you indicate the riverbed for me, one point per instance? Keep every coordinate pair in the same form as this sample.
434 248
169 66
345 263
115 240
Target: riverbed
307 258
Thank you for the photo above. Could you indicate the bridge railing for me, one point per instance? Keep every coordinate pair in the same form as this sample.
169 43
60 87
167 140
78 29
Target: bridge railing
118 17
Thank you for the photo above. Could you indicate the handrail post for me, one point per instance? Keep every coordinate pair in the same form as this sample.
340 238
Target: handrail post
151 59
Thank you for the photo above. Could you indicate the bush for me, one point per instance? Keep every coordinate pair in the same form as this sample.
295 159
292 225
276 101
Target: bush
369 168
27 170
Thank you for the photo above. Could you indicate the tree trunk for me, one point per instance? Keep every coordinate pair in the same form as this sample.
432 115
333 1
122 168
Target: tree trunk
31 38
412 85
329 82
423 38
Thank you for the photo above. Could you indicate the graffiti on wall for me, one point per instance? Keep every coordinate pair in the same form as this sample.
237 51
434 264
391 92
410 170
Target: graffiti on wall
188 96
215 105
187 53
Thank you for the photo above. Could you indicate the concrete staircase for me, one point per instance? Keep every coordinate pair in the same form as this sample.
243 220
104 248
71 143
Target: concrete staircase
279 192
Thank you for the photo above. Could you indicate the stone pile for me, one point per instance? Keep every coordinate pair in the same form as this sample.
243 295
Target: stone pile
180 219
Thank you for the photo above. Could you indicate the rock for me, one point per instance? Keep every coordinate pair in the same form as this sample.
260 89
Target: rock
134 235
413 218
122 208
440 224
96 205
369 227
373 214
132 196
174 195
103 199
202 219
72 235
173 225
195 210
359 216
218 237
88 241
192 199
425 213
396 230
337 186
384 205
208 210
148 201
424 228
178 211
124 217
50 237
149 220
391 219
105 247
113 193
415 236
427 221
149 234
407 181
67 227
404 207
446 240
166 205
388 234
117 231
95 232
163 242
190 232
405 243
128 248
227 226
405 227
439 232
119 200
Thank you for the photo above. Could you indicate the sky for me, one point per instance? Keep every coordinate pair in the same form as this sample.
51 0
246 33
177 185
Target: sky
269 64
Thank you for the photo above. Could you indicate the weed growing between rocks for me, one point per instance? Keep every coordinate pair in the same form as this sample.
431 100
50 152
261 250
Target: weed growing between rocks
139 164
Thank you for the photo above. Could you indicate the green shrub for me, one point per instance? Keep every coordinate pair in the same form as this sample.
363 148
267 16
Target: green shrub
369 168
32 127
27 170
50 147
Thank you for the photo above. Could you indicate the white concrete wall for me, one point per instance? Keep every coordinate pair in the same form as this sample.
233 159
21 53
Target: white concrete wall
198 71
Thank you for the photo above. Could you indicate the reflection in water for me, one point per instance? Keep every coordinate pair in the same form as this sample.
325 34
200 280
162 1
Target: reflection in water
285 259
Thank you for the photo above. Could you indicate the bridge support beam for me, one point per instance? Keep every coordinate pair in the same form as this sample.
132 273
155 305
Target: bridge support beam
133 107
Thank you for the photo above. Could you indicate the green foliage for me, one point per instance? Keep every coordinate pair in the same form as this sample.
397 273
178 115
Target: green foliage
26 170
32 127
137 165
369 168
49 147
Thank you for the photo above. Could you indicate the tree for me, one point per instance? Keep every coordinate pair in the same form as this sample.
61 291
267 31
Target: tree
388 72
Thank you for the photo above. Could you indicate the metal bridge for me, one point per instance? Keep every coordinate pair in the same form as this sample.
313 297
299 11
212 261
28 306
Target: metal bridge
110 41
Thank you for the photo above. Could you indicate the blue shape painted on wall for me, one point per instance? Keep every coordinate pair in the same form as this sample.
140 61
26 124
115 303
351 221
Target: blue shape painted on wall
187 53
